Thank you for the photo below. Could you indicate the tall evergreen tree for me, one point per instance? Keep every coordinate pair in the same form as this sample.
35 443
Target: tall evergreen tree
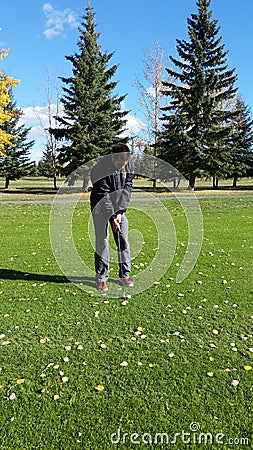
93 120
16 163
196 127
241 159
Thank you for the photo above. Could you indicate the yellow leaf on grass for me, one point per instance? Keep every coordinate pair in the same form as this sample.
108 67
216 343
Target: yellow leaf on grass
247 367
103 346
99 388
43 340
20 381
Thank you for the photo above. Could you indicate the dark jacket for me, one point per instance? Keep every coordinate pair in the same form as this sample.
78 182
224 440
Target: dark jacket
111 189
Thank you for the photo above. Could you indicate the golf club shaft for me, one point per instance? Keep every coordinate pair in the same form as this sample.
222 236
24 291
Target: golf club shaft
120 261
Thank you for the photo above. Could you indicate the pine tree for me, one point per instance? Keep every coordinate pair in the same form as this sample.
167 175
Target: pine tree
196 127
48 166
241 143
93 120
16 162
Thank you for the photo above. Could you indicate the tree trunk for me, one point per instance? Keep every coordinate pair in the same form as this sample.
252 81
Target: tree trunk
192 182
55 182
234 181
214 181
154 174
85 184
176 183
7 183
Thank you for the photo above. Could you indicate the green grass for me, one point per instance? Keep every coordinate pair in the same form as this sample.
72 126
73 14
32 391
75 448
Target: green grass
41 188
165 386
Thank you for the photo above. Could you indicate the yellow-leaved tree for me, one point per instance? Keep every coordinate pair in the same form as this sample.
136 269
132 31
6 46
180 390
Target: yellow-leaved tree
5 84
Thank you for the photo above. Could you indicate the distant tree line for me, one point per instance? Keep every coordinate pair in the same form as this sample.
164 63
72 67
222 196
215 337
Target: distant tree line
204 128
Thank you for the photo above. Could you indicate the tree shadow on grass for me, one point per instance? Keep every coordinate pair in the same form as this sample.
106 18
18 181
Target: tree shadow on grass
29 190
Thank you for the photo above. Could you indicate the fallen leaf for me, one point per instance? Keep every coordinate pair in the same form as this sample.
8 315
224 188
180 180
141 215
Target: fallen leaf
99 388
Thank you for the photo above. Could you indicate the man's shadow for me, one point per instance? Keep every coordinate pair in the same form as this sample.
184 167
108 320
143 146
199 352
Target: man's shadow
9 274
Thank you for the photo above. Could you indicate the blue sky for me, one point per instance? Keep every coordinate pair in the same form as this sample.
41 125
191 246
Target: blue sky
40 34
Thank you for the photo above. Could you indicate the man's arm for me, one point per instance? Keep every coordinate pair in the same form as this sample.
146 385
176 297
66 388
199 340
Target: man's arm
102 197
127 190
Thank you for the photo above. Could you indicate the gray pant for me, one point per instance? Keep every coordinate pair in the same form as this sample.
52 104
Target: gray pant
102 256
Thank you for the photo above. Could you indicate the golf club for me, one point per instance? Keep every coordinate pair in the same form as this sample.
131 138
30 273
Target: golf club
123 295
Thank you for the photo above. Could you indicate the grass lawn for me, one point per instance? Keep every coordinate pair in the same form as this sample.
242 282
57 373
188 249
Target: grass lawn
41 188
79 370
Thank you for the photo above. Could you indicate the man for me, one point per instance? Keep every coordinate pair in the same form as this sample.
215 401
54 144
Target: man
112 185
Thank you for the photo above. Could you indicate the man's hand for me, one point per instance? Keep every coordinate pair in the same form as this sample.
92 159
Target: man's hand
116 223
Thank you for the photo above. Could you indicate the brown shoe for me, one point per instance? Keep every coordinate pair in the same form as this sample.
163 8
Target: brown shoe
127 282
102 286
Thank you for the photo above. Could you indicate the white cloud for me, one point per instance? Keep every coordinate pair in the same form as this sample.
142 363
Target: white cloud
39 115
36 118
134 125
56 20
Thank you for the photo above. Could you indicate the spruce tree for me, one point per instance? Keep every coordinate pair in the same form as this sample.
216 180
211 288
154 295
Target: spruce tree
93 120
241 158
48 166
16 163
196 126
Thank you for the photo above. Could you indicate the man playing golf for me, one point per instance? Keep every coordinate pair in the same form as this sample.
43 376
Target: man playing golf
112 180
